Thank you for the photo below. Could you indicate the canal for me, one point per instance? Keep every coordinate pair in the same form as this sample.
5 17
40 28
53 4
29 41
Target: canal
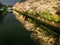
12 31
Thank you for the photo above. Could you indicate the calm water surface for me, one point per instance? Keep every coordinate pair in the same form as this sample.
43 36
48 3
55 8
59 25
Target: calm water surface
12 31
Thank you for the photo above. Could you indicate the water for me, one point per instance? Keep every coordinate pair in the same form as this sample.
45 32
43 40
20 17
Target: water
12 31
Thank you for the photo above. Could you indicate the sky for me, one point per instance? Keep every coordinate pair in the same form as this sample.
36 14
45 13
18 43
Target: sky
10 2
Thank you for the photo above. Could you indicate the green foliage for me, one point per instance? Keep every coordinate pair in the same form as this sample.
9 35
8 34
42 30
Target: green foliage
56 19
31 12
4 11
49 16
46 15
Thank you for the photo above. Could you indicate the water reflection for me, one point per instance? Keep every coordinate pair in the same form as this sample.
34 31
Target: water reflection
12 31
3 12
1 18
4 9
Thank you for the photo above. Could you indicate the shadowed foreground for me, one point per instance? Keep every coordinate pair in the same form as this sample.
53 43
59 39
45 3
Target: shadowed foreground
12 32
